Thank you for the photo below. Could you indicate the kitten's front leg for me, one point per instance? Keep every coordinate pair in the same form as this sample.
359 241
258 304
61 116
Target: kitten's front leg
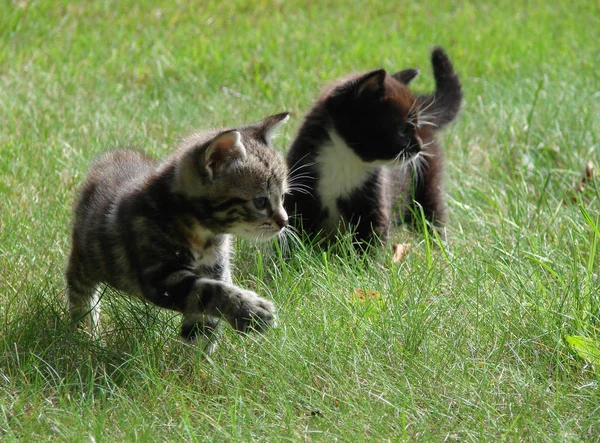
243 309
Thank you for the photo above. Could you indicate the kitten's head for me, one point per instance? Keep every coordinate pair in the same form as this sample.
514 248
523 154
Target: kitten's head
233 180
375 114
379 117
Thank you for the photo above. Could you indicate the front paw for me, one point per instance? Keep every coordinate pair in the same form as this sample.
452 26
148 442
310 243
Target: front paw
253 314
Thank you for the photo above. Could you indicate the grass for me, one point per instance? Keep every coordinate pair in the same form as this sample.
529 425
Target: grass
464 340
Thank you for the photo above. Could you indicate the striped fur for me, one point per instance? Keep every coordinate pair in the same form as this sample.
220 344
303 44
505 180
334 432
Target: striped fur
366 148
161 231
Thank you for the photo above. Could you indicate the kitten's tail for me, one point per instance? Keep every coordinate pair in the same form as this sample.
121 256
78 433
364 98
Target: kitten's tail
441 107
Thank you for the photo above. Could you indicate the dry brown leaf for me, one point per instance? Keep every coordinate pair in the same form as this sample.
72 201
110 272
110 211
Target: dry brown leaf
363 294
588 174
590 171
400 251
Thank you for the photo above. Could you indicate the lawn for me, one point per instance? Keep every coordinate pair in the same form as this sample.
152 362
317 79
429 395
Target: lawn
467 339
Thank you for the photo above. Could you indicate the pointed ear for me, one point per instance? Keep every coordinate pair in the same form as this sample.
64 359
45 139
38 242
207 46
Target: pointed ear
224 149
271 124
371 83
406 76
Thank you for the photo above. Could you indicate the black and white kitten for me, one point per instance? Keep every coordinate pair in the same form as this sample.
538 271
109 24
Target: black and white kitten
161 230
367 147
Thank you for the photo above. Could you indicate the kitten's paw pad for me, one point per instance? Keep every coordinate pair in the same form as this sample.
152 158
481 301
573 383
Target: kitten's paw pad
256 314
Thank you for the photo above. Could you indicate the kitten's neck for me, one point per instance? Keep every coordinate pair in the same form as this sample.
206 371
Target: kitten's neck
341 170
170 206
198 236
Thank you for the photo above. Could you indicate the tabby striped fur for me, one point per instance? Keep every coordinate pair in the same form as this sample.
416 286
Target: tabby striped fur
161 231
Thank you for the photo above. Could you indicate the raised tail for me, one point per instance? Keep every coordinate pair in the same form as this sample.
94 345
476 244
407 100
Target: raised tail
441 107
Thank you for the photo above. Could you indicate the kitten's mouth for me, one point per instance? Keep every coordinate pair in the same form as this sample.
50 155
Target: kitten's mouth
267 232
415 146
412 150
261 231
405 157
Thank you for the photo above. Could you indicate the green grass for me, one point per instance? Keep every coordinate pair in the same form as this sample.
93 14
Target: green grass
467 338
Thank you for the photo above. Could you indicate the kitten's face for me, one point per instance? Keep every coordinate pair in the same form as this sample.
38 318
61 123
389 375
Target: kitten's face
375 114
259 215
238 181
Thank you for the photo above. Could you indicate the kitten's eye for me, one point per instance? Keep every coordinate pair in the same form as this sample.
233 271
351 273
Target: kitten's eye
260 203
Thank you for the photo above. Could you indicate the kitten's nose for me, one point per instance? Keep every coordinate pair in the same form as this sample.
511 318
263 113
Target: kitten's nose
282 221
281 218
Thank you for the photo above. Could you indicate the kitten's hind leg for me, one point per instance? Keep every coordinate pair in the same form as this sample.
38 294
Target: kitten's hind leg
197 326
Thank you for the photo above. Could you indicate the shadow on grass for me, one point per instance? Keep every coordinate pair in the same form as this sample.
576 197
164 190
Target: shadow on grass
40 349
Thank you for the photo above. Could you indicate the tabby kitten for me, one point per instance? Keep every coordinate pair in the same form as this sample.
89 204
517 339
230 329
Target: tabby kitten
161 230
368 147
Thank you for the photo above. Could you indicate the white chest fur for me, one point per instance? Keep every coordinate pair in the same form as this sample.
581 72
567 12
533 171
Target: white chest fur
341 172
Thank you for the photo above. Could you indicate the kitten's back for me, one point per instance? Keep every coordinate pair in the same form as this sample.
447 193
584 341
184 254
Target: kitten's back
116 168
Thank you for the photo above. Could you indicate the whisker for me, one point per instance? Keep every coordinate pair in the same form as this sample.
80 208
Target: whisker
427 153
425 114
401 157
427 123
301 191
292 229
427 117
429 103
296 167
302 176
418 165
284 241
412 107
297 173
293 235
299 185
298 161
301 188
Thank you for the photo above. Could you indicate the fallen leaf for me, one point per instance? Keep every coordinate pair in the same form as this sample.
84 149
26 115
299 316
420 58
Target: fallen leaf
363 294
590 169
400 251
589 175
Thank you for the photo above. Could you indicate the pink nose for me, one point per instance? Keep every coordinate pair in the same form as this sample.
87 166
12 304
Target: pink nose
281 222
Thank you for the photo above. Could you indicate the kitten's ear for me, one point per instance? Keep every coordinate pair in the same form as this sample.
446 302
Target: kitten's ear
271 124
371 83
225 148
406 76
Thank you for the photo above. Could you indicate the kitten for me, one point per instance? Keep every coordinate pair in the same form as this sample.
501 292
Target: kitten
368 147
161 231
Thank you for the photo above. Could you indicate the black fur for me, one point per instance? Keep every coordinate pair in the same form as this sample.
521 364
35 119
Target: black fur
384 125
